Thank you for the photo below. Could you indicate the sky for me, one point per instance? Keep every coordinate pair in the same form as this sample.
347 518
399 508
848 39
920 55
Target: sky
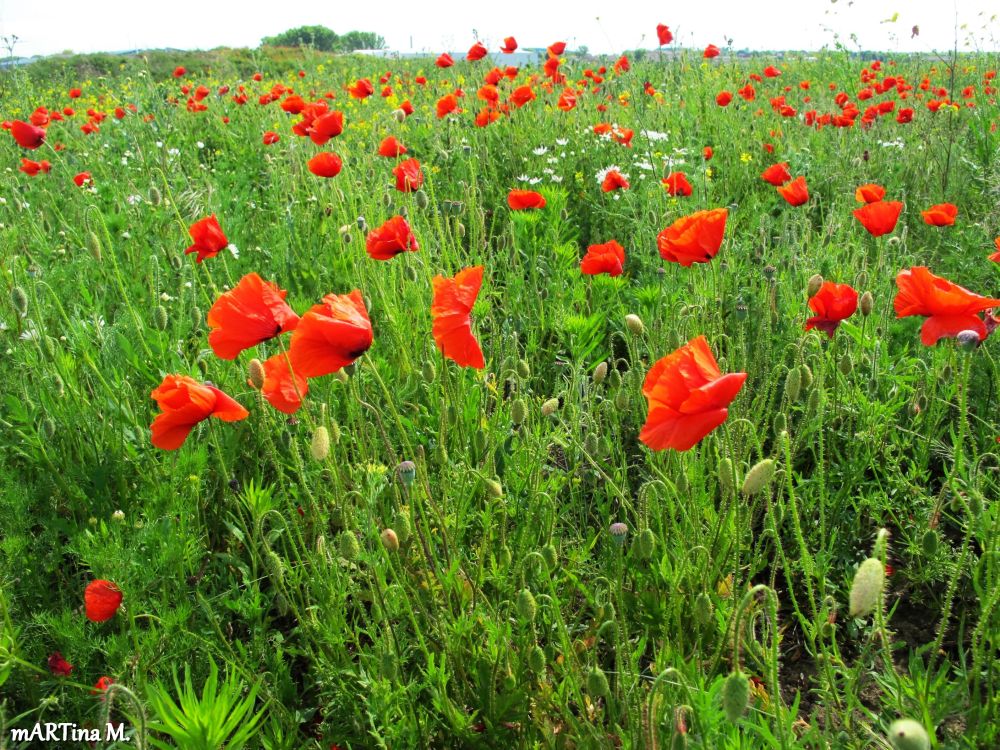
53 26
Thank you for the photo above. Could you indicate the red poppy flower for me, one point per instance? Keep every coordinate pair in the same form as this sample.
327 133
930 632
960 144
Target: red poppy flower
82 178
58 666
101 599
450 310
614 180
676 183
32 168
777 174
325 164
444 60
75 93
391 239
391 148
663 34
208 238
520 200
556 49
179 71
331 335
102 685
795 192
950 309
361 89
446 105
995 257
270 138
521 96
326 126
879 217
832 304
688 397
281 390
941 215
870 193
608 258
27 135
184 402
408 176
695 238
509 45
771 72
476 52
251 312
723 98
710 51
707 153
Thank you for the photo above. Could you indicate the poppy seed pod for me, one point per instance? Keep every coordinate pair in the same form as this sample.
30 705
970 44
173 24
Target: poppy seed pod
19 299
907 734
759 477
319 446
815 282
550 407
390 540
735 695
600 372
618 531
866 304
407 472
256 374
867 587
634 324
968 340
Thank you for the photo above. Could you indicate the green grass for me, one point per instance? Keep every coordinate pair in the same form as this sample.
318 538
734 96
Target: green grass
509 616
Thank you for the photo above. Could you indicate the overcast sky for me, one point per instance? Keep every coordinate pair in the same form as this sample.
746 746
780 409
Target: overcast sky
51 26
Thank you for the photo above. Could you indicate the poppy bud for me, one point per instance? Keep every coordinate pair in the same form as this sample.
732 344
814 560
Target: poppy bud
549 407
175 262
735 695
160 318
58 386
673 340
646 543
929 542
154 196
47 428
793 385
536 659
550 555
428 371
421 199
621 400
815 282
591 444
780 423
726 476
759 477
615 379
349 547
682 484
600 372
320 444
389 540
523 370
460 228
401 522
907 734
866 303
334 433
321 548
597 683
505 556
275 568
94 245
398 115
526 606
196 318
815 399
118 516
255 371
867 587
407 472
846 364
494 488
518 412
410 273
806 377
634 324
19 300
703 609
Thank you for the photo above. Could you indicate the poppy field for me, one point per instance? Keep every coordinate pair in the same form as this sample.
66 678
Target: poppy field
641 402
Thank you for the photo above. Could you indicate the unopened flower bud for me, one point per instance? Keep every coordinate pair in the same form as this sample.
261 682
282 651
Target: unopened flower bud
600 372
389 540
867 587
634 324
255 371
815 282
550 407
866 304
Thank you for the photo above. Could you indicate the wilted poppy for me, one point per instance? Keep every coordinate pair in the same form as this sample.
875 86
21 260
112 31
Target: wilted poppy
941 215
676 183
58 666
208 238
879 217
283 391
251 312
450 310
27 135
608 258
184 403
520 200
688 397
949 308
795 192
777 174
408 176
832 304
614 180
695 238
663 35
391 148
870 193
101 599
325 164
331 335
391 239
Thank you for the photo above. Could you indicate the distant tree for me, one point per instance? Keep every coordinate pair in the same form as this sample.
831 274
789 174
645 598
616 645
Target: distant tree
354 40
582 50
319 37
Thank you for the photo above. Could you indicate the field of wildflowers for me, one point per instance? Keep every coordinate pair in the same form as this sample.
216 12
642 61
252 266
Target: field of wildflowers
356 403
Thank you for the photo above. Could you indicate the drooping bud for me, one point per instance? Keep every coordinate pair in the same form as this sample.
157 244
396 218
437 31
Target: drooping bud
320 444
866 304
600 372
428 371
929 542
597 683
759 477
494 488
735 695
846 364
726 482
646 543
536 659
815 282
389 540
421 199
550 407
349 547
526 606
907 734
634 324
401 523
793 385
94 246
703 609
867 587
19 299
160 318
523 369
